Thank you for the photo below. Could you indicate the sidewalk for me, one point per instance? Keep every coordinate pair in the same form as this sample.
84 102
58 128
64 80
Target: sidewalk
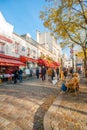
68 112
23 105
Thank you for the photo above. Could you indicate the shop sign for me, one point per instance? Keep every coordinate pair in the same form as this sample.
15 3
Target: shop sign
79 64
5 39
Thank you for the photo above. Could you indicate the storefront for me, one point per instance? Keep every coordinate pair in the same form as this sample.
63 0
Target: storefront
8 64
30 62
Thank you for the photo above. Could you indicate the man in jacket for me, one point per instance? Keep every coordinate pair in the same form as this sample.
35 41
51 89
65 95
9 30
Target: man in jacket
43 73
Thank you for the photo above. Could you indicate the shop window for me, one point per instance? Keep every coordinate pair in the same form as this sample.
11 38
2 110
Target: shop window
2 45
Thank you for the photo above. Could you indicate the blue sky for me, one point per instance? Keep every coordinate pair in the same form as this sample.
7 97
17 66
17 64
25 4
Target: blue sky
23 15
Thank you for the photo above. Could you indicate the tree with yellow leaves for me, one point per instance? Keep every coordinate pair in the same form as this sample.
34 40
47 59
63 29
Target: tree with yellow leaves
67 20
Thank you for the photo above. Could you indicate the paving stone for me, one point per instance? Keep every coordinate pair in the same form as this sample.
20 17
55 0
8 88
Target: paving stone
69 111
20 103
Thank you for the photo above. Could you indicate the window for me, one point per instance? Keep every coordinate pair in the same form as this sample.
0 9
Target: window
16 47
2 48
28 54
34 54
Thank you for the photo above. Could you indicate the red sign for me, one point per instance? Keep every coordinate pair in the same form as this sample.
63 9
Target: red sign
5 39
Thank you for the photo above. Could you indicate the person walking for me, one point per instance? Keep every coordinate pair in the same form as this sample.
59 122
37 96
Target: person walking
57 72
43 73
15 78
31 72
62 75
65 72
49 73
53 74
71 71
20 74
37 72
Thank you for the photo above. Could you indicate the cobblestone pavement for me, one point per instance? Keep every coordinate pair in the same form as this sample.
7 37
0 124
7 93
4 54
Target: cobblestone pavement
68 112
23 106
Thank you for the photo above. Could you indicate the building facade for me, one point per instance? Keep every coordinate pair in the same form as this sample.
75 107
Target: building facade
23 50
49 43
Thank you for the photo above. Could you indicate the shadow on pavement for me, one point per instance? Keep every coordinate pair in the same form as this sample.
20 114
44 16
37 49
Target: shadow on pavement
39 115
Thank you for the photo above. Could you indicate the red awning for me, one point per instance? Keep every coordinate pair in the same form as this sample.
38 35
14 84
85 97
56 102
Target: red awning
56 63
45 62
41 61
10 62
8 57
27 59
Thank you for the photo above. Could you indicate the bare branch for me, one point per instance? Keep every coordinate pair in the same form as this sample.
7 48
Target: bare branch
76 10
71 37
83 11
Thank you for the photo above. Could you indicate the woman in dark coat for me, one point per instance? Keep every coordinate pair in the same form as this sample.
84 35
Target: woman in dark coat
15 78
43 73
37 72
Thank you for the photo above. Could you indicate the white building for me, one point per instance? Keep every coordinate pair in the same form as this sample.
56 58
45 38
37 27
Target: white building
6 31
31 46
5 27
50 44
13 47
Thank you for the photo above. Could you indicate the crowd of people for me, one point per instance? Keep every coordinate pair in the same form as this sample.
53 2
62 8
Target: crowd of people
70 79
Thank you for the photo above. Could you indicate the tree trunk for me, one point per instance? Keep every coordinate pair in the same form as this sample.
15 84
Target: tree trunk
85 63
